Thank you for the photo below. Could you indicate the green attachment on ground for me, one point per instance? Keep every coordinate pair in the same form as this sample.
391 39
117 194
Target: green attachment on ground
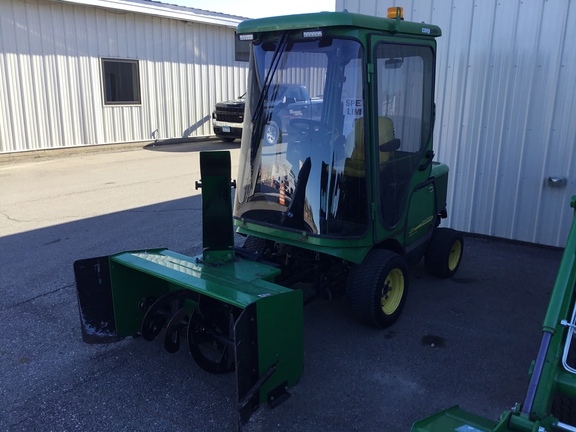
232 314
254 325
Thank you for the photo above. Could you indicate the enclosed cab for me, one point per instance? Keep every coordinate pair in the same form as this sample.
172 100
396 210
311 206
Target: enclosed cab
356 181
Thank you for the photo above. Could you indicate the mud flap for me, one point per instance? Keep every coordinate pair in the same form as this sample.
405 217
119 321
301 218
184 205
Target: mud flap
94 290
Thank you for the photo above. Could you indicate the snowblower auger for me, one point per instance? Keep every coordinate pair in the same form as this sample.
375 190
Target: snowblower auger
231 314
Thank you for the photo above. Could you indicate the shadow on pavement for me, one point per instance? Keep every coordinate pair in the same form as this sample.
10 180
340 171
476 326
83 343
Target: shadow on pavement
179 145
466 341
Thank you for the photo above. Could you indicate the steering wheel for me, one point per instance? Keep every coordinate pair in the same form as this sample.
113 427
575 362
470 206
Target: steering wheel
312 129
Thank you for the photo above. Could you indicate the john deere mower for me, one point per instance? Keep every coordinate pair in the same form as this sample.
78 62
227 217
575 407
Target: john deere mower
336 196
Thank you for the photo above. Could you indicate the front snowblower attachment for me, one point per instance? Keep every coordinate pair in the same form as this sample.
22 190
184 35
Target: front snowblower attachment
226 308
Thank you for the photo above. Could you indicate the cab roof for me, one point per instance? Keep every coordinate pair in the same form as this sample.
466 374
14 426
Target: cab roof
337 19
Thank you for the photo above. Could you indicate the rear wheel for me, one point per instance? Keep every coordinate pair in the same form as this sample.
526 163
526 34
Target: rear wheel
376 289
444 252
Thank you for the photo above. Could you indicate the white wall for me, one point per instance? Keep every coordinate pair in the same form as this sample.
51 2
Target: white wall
506 111
51 84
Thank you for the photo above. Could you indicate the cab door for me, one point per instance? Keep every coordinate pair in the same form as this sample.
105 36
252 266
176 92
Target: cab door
403 119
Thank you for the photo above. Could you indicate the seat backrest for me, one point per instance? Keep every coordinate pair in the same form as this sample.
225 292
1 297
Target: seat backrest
355 145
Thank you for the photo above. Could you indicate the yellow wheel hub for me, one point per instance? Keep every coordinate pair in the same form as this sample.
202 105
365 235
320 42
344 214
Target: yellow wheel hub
455 254
392 291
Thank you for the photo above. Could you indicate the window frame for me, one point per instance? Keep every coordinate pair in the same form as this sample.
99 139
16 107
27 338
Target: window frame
137 99
241 50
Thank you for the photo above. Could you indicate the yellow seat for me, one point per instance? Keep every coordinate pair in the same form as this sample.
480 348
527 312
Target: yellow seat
355 165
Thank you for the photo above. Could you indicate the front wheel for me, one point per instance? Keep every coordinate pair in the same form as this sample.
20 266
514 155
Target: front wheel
444 252
272 132
376 289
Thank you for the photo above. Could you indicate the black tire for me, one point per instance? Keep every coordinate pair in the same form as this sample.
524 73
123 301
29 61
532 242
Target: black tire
227 139
444 252
376 289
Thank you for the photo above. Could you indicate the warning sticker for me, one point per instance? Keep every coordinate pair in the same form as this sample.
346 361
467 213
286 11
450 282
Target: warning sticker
353 107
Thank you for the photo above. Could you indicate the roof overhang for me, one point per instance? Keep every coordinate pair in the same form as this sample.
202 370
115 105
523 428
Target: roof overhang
163 10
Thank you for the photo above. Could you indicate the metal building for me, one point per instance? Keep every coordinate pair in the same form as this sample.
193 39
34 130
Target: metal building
81 72
505 111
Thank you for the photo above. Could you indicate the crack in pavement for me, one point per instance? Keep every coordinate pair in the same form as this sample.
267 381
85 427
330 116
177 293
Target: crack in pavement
36 297
12 219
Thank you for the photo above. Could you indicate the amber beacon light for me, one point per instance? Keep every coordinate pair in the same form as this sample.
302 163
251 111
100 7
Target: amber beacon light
395 12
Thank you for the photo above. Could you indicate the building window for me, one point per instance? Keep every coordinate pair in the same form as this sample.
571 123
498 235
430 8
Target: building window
121 82
242 50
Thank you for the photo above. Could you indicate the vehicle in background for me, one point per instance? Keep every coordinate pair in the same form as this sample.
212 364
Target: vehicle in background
289 101
227 119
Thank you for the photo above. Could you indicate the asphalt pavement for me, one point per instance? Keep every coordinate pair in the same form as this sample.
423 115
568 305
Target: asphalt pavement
467 340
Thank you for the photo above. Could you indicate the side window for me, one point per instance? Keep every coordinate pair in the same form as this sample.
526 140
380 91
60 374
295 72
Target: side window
404 78
121 82
241 50
404 88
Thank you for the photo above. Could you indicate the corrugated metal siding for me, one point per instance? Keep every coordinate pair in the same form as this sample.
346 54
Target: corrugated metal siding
506 111
51 84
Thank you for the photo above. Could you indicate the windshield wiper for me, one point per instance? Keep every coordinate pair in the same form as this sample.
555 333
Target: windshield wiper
280 48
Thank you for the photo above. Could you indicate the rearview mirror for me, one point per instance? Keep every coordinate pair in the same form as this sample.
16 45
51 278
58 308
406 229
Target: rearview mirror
393 63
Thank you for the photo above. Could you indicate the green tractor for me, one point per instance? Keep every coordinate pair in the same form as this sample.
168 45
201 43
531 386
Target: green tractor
336 194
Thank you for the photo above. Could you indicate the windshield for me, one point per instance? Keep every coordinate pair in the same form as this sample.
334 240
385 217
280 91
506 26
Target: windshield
298 170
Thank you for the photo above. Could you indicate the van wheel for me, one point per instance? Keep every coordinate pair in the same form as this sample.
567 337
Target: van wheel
376 289
444 252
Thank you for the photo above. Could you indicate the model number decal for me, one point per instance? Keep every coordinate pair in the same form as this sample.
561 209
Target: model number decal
422 224
426 30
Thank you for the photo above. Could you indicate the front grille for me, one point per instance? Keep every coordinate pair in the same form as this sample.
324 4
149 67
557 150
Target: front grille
230 115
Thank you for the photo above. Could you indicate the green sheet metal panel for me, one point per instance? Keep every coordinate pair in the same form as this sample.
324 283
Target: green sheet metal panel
440 175
129 287
454 420
137 275
239 284
280 327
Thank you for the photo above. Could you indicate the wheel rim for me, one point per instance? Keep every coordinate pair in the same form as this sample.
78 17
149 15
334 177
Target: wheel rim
272 133
392 291
455 254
